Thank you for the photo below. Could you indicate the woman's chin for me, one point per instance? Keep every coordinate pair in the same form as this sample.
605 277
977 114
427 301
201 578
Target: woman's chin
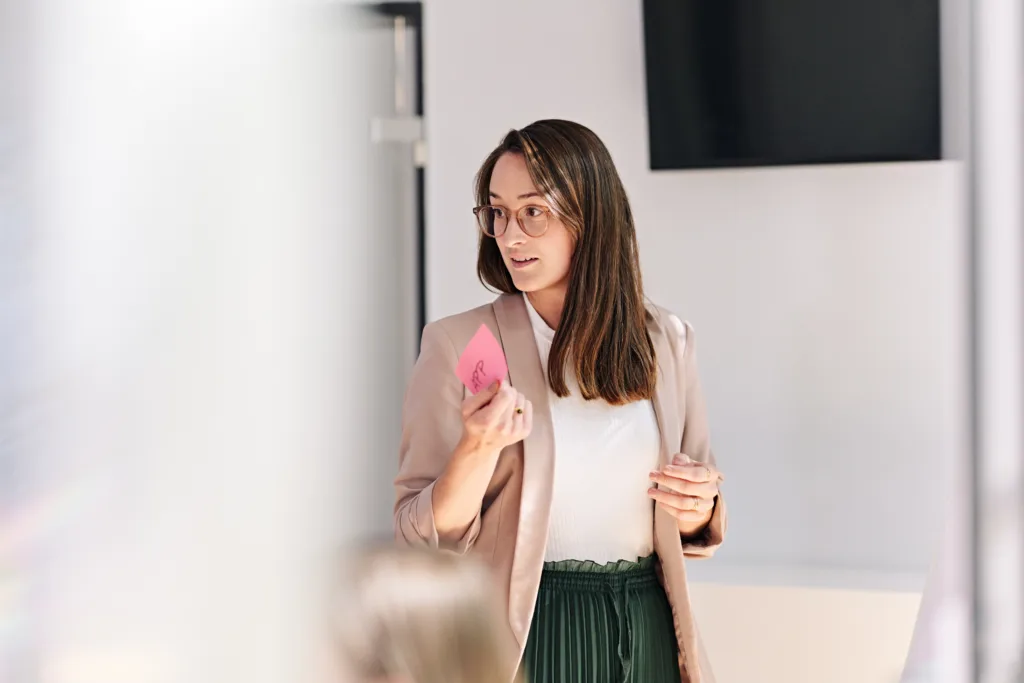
523 283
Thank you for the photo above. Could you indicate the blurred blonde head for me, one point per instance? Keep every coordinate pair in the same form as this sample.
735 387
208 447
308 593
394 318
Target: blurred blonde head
420 616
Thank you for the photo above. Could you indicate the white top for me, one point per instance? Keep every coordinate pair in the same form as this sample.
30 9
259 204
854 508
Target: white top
603 457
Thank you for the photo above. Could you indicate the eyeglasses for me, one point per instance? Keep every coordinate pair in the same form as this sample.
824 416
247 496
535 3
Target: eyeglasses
493 220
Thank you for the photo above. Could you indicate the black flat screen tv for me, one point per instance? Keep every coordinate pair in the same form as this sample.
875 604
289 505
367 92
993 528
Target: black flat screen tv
733 83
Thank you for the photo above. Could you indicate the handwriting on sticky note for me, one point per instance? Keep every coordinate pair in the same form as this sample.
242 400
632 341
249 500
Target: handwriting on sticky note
483 361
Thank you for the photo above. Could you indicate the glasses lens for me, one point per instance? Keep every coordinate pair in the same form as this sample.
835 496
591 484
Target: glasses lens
534 220
491 219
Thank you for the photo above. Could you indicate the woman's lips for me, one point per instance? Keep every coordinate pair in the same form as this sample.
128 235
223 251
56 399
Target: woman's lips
519 262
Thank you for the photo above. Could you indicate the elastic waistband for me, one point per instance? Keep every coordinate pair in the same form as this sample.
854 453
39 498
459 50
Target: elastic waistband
586 573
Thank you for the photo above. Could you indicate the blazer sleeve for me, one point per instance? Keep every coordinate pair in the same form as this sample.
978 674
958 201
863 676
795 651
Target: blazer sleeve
431 429
696 439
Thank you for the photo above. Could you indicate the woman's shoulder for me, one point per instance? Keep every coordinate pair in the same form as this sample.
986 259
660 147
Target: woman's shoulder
661 321
459 328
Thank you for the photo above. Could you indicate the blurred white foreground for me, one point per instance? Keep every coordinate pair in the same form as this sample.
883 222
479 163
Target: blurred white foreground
188 403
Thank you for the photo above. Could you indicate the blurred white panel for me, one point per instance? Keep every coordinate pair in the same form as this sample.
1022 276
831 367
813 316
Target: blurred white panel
200 307
998 216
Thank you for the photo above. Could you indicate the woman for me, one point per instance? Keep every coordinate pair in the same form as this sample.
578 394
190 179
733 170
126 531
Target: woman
586 478
419 616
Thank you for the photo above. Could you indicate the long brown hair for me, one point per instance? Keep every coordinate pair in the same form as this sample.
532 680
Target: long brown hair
603 330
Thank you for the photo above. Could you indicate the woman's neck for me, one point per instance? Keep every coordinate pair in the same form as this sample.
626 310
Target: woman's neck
549 304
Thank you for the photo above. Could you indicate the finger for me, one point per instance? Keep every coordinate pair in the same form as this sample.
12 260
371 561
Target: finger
499 410
684 515
481 398
681 502
693 471
710 471
512 409
527 418
520 404
519 414
700 489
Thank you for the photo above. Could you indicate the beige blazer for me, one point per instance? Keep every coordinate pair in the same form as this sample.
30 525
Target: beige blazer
511 531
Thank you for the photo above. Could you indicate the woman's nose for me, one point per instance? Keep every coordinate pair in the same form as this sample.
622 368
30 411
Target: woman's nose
513 232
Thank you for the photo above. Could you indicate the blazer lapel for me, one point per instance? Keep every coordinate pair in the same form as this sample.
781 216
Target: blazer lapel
667 544
528 376
666 531
665 398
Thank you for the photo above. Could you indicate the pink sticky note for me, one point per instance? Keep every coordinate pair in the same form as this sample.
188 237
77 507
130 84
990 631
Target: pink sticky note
483 361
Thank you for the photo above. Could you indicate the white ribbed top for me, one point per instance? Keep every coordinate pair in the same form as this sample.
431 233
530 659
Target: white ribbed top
603 455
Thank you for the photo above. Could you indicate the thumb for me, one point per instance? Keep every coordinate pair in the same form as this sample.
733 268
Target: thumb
681 459
482 398
491 391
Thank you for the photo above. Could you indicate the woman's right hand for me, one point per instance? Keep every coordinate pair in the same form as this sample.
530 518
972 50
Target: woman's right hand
496 417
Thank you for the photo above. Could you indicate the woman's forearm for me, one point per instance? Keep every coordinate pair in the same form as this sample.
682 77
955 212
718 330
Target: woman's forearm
459 492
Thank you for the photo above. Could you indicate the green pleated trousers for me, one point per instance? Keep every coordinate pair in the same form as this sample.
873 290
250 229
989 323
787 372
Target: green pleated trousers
601 624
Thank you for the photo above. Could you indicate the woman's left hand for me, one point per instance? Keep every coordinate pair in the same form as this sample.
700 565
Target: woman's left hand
686 490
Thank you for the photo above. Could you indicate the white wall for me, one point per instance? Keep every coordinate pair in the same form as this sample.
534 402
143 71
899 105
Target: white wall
826 300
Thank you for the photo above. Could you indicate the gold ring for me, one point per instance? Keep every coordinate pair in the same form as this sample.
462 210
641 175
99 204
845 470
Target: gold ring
696 502
708 470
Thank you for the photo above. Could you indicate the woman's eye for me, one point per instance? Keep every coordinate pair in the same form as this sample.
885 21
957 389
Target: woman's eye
498 212
534 211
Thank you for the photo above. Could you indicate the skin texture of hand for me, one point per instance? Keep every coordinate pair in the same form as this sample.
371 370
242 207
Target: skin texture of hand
496 417
687 490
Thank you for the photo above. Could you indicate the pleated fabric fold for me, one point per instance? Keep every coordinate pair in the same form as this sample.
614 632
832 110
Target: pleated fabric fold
606 623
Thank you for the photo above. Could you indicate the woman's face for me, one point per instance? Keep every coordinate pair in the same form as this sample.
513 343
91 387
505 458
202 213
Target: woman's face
537 264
